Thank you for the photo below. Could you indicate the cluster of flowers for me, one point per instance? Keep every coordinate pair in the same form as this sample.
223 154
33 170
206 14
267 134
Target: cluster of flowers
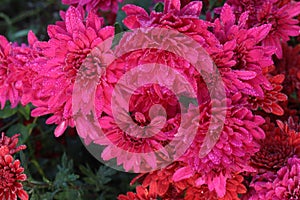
257 155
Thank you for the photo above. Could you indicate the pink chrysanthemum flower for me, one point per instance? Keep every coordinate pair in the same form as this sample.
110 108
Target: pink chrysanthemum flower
8 90
183 19
141 102
271 12
17 65
129 141
237 142
95 5
246 58
282 185
71 40
238 147
25 68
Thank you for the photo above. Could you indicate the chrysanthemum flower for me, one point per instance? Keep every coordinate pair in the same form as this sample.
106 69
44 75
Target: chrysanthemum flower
27 59
11 143
239 138
270 12
11 174
283 184
270 102
127 143
237 142
8 91
143 98
71 40
18 71
281 143
183 19
161 183
246 57
95 5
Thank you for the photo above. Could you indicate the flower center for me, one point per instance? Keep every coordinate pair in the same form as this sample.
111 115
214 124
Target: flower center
272 157
5 177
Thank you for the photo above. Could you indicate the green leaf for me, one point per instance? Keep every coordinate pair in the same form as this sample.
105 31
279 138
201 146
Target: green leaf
99 179
186 101
20 128
65 175
120 17
159 7
69 194
118 28
7 111
24 111
21 33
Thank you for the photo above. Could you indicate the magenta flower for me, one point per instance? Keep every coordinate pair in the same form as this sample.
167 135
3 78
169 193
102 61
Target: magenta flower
18 72
281 17
128 145
94 5
71 40
277 186
237 142
244 71
27 60
8 91
183 19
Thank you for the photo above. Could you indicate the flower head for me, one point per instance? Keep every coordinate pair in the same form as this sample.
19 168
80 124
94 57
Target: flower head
281 143
17 71
174 16
237 142
8 91
128 141
246 58
71 40
284 184
11 174
280 16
